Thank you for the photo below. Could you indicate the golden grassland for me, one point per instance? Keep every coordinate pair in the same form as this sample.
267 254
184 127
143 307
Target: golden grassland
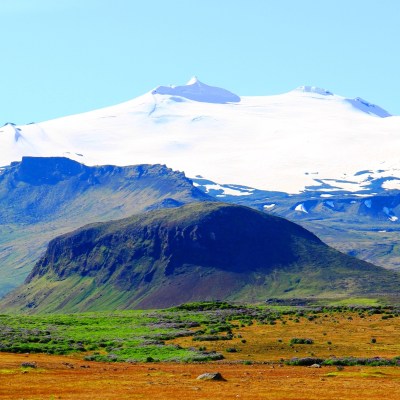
56 379
61 377
335 335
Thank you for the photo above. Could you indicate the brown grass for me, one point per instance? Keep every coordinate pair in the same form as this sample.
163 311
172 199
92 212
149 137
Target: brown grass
348 334
53 379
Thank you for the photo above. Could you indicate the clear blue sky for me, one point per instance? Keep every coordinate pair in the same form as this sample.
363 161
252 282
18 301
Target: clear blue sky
61 57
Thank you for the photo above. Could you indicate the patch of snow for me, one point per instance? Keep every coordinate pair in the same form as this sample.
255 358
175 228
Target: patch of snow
326 195
268 207
225 190
363 194
330 204
368 203
301 208
390 214
391 184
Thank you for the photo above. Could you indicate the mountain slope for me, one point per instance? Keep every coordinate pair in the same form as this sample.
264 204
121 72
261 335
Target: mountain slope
363 224
41 198
199 251
306 138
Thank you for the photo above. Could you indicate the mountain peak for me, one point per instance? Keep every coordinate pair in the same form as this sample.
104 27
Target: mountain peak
314 89
198 91
358 103
193 81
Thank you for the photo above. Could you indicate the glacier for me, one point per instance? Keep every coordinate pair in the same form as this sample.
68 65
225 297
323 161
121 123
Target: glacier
308 139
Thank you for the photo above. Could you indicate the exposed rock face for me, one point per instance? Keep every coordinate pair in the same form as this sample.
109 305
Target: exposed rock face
198 91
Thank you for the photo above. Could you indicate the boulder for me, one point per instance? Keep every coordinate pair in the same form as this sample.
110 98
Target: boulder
211 376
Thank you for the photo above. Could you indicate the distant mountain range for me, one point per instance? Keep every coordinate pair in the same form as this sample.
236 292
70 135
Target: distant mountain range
199 251
41 198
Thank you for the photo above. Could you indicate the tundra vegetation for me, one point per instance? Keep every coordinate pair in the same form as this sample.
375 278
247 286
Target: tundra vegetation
270 351
207 331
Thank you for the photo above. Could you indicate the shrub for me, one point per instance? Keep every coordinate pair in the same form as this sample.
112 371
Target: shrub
231 350
211 338
306 361
345 361
301 341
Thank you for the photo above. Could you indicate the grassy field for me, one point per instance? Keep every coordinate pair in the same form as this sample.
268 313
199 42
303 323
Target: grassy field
210 331
262 352
60 377
333 333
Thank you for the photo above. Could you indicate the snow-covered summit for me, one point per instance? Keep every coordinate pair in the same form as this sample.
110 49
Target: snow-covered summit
301 140
313 89
198 91
358 103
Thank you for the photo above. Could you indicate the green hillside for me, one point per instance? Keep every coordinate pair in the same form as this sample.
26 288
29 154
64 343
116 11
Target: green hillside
200 251
41 198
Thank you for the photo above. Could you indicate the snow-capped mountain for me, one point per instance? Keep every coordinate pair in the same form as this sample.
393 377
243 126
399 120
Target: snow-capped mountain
308 139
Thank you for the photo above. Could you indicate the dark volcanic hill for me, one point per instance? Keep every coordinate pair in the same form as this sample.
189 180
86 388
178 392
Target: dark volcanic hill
200 251
41 198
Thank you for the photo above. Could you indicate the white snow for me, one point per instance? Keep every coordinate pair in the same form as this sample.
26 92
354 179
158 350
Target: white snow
364 195
269 207
264 142
226 190
391 184
300 207
390 214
